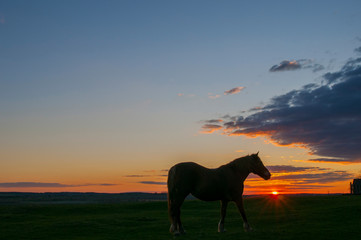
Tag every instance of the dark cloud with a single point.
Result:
(292, 178)
(287, 65)
(136, 176)
(358, 50)
(306, 174)
(32, 184)
(323, 118)
(149, 173)
(288, 168)
(233, 90)
(329, 160)
(229, 118)
(153, 183)
(45, 185)
(319, 178)
(254, 109)
(315, 67)
(213, 121)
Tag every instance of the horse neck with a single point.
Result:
(242, 167)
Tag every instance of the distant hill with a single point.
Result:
(90, 197)
(76, 197)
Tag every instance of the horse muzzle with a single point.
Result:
(267, 175)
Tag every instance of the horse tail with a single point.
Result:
(171, 189)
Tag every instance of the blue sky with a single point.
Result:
(123, 86)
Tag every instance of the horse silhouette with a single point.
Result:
(224, 183)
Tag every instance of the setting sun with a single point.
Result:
(275, 193)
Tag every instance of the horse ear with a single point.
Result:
(257, 153)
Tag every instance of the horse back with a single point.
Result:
(203, 183)
(182, 175)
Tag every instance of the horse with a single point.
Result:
(225, 183)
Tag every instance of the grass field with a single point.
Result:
(288, 217)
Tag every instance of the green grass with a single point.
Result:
(306, 217)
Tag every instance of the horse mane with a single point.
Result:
(240, 163)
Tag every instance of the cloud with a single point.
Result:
(186, 95)
(329, 160)
(137, 176)
(233, 90)
(153, 183)
(323, 118)
(46, 185)
(287, 168)
(319, 178)
(210, 128)
(229, 118)
(316, 67)
(290, 170)
(358, 50)
(254, 109)
(240, 150)
(211, 96)
(2, 19)
(287, 65)
(32, 184)
(212, 121)
(292, 178)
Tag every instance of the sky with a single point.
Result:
(106, 96)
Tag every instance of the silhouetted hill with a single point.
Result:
(89, 197)
(75, 197)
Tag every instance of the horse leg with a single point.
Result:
(180, 226)
(224, 205)
(239, 203)
(174, 213)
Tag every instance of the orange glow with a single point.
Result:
(157, 184)
(252, 134)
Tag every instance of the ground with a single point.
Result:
(285, 217)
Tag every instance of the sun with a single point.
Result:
(274, 193)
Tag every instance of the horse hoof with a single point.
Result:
(177, 233)
(247, 228)
(221, 227)
(182, 231)
(172, 229)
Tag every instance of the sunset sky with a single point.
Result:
(106, 96)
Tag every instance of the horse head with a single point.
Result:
(258, 168)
